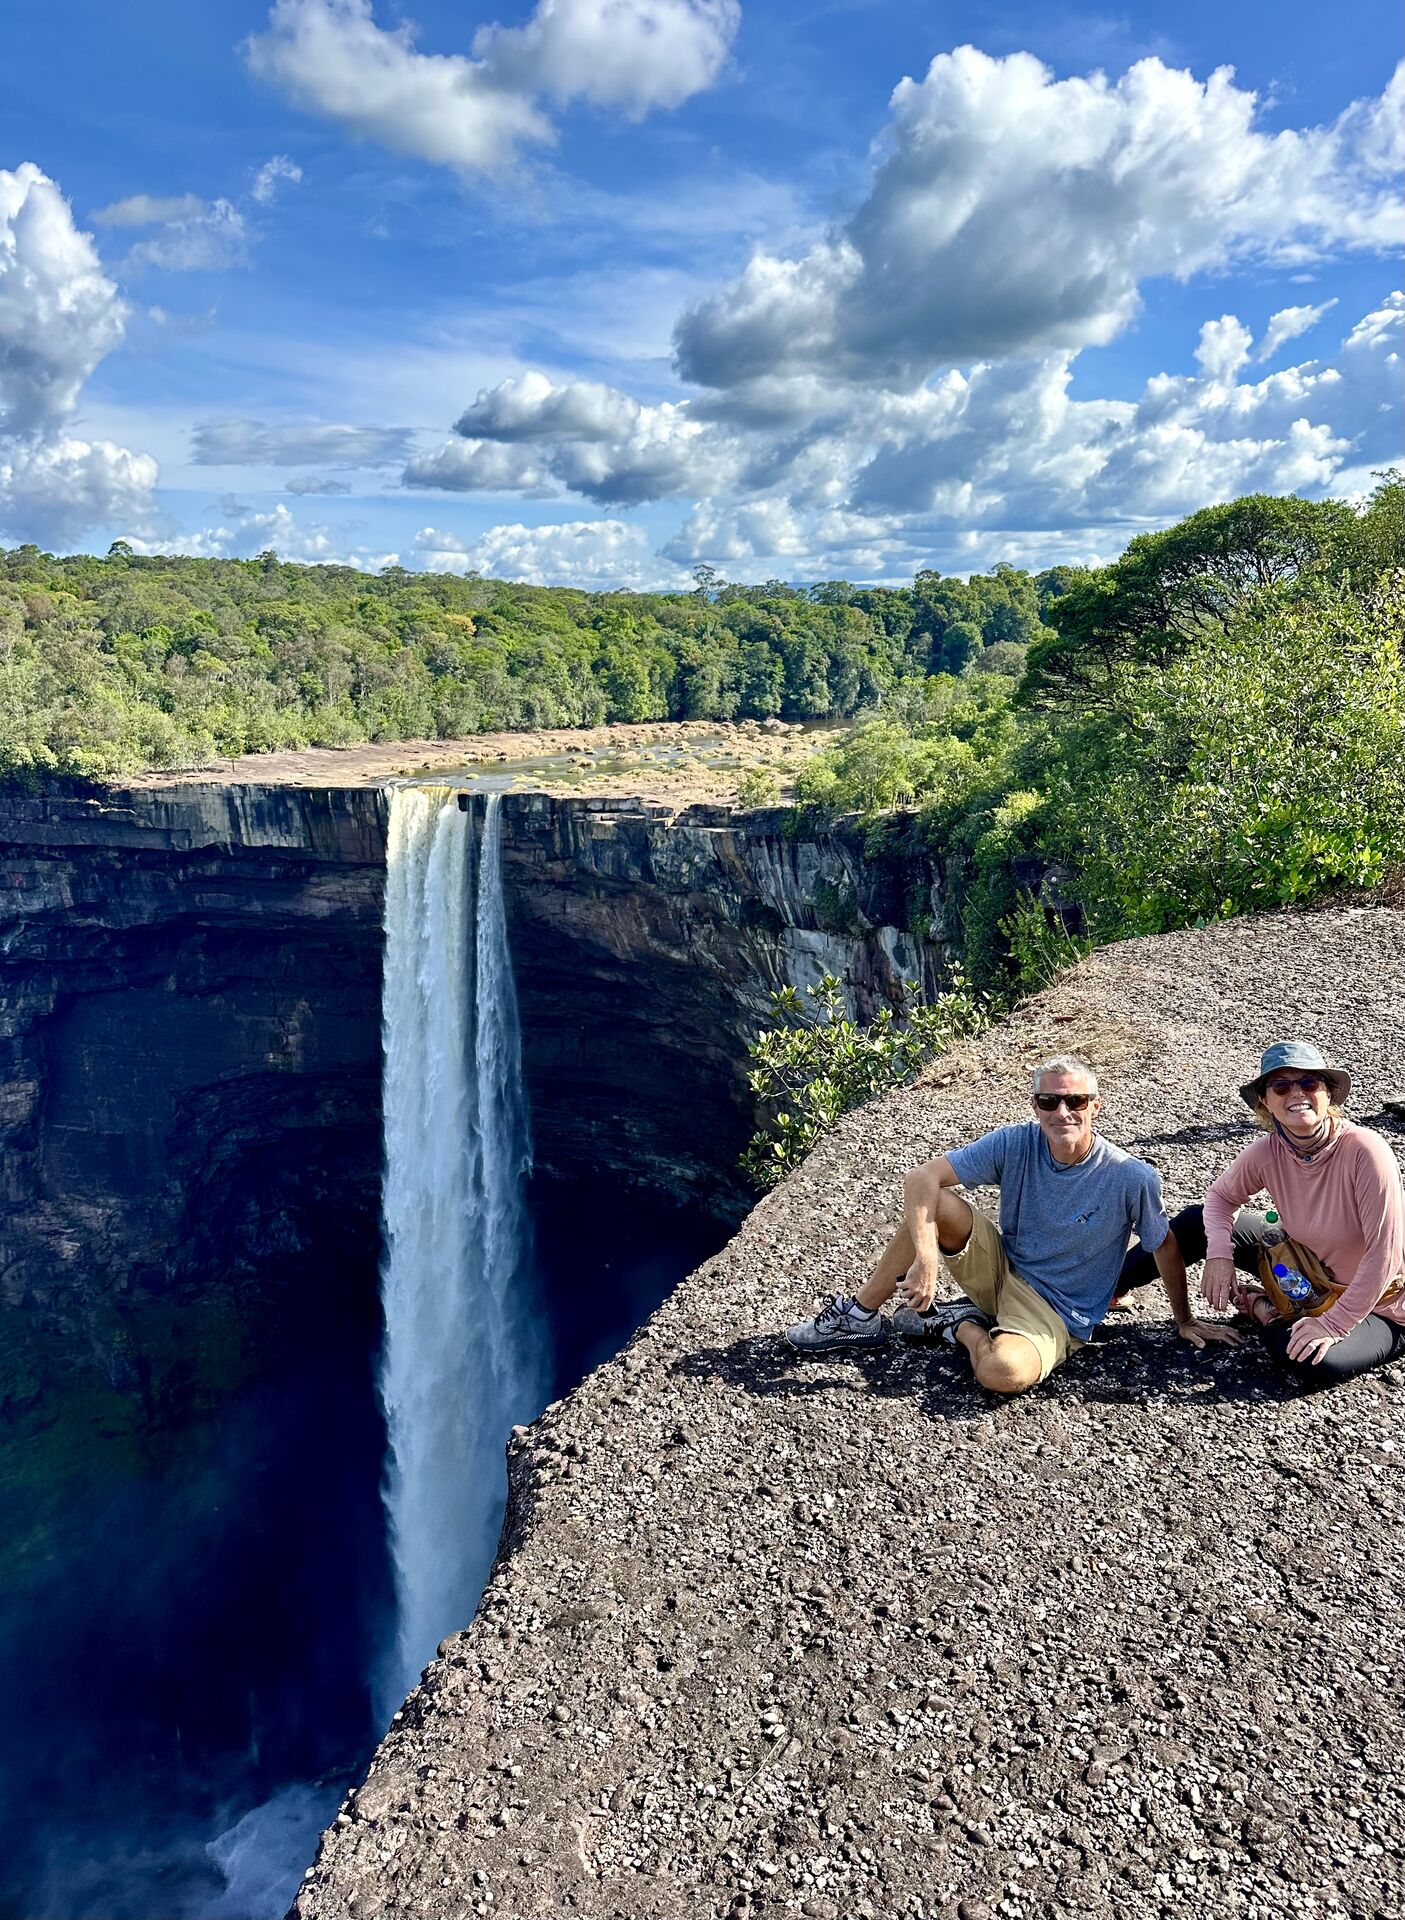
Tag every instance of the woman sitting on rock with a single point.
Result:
(1337, 1190)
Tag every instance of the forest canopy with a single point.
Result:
(1212, 723)
(112, 665)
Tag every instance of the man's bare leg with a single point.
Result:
(954, 1222)
(1001, 1362)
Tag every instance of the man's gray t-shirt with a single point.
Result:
(1066, 1229)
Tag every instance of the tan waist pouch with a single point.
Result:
(1325, 1290)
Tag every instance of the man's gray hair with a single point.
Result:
(1065, 1063)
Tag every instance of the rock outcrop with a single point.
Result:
(845, 1637)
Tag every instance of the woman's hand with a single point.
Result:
(1217, 1283)
(1309, 1340)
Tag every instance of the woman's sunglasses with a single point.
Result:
(1051, 1102)
(1308, 1082)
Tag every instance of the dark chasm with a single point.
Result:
(197, 1588)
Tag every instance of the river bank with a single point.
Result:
(672, 763)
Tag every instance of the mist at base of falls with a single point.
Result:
(191, 1664)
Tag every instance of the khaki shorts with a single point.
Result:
(983, 1272)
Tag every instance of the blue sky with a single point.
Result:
(596, 290)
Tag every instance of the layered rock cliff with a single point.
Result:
(845, 1637)
(646, 947)
(189, 991)
(189, 1012)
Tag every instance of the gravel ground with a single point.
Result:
(847, 1637)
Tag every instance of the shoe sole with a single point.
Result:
(834, 1346)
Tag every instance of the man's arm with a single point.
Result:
(1170, 1264)
(922, 1190)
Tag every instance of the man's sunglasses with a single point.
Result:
(1051, 1102)
(1308, 1082)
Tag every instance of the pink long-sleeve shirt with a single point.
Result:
(1347, 1204)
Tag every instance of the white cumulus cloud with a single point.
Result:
(1224, 347)
(59, 316)
(574, 552)
(330, 57)
(530, 435)
(475, 113)
(1017, 214)
(59, 313)
(53, 491)
(1290, 323)
(634, 54)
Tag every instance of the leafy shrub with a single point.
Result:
(1261, 767)
(758, 787)
(1040, 945)
(816, 1063)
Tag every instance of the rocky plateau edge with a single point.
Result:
(846, 1637)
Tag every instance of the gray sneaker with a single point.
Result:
(840, 1324)
(909, 1324)
(939, 1322)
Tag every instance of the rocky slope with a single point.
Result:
(845, 1637)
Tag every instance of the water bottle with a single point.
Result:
(1295, 1285)
(1273, 1234)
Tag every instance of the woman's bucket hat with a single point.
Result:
(1297, 1053)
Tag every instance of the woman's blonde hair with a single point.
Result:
(1264, 1119)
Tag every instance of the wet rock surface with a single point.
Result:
(847, 1637)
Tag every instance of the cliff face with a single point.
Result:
(189, 989)
(842, 1636)
(646, 948)
(189, 1015)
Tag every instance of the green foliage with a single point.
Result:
(934, 752)
(1217, 726)
(1170, 588)
(759, 787)
(816, 1063)
(1040, 945)
(110, 665)
(1262, 767)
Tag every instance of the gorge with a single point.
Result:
(199, 1596)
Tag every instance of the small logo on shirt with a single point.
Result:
(1082, 1219)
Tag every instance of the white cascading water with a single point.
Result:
(463, 1357)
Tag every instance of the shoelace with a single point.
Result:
(834, 1313)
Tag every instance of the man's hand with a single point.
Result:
(1200, 1332)
(1217, 1283)
(919, 1286)
(1309, 1340)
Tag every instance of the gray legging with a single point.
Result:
(1370, 1343)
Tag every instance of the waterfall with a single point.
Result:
(463, 1357)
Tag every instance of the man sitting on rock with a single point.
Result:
(1036, 1288)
